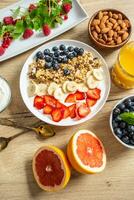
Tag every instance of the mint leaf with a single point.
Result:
(15, 12)
(128, 117)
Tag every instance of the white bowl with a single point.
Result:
(111, 126)
(104, 85)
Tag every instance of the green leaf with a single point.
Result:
(37, 23)
(19, 26)
(15, 12)
(128, 117)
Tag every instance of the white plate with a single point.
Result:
(76, 16)
(104, 85)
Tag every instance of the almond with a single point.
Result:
(115, 16)
(121, 32)
(127, 23)
(95, 34)
(105, 37)
(115, 34)
(110, 14)
(123, 25)
(102, 25)
(104, 18)
(111, 42)
(95, 22)
(105, 30)
(97, 29)
(113, 21)
(102, 41)
(110, 33)
(125, 36)
(120, 16)
(115, 25)
(105, 13)
(100, 15)
(119, 40)
(109, 39)
(118, 28)
(119, 21)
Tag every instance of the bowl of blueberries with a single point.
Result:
(122, 121)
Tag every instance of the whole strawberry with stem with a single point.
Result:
(67, 7)
(46, 29)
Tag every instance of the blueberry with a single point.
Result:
(127, 102)
(130, 128)
(55, 48)
(46, 52)
(126, 110)
(132, 109)
(125, 139)
(55, 66)
(75, 54)
(124, 132)
(48, 59)
(122, 125)
(48, 65)
(62, 47)
(70, 56)
(115, 124)
(56, 53)
(131, 141)
(121, 106)
(51, 55)
(70, 49)
(64, 60)
(118, 132)
(131, 134)
(65, 52)
(116, 111)
(117, 119)
(59, 59)
(62, 53)
(39, 55)
(66, 72)
(81, 51)
(76, 49)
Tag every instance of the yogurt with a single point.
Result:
(5, 94)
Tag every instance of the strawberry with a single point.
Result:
(50, 100)
(66, 112)
(32, 7)
(79, 95)
(65, 17)
(2, 50)
(39, 102)
(83, 110)
(90, 102)
(46, 30)
(67, 7)
(57, 114)
(59, 105)
(6, 42)
(72, 110)
(8, 20)
(71, 98)
(27, 33)
(47, 109)
(94, 94)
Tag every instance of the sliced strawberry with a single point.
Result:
(83, 110)
(50, 100)
(47, 109)
(59, 105)
(66, 112)
(39, 102)
(79, 95)
(71, 98)
(91, 102)
(94, 94)
(32, 7)
(57, 114)
(72, 110)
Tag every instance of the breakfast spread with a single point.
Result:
(110, 27)
(70, 82)
(63, 76)
(41, 16)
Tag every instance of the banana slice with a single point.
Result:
(41, 89)
(64, 86)
(72, 86)
(92, 83)
(82, 87)
(89, 73)
(31, 90)
(52, 87)
(58, 94)
(98, 74)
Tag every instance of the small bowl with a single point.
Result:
(100, 45)
(111, 126)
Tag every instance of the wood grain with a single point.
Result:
(16, 178)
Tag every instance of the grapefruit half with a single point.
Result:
(51, 168)
(86, 152)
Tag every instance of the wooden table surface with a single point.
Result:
(16, 178)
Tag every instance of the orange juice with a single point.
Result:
(123, 70)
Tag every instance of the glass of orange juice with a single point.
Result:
(123, 70)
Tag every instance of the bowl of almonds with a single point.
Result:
(109, 28)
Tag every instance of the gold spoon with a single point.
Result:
(44, 130)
